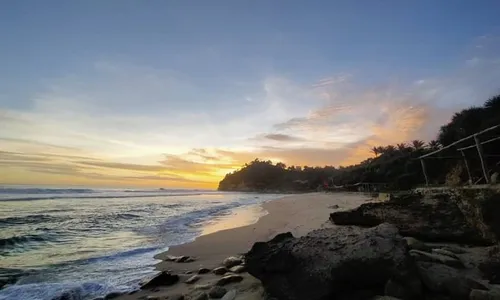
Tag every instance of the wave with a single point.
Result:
(7, 190)
(52, 197)
(29, 219)
(15, 241)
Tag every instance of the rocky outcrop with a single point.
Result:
(335, 263)
(162, 279)
(462, 216)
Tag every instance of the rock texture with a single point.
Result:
(465, 217)
(334, 263)
(162, 279)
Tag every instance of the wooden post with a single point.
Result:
(480, 152)
(467, 167)
(425, 172)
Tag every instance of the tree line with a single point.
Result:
(393, 167)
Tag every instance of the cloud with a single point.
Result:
(123, 166)
(282, 137)
(141, 125)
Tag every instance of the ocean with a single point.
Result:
(97, 241)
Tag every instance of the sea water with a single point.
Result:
(92, 242)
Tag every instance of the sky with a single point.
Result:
(178, 93)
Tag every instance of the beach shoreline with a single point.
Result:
(298, 214)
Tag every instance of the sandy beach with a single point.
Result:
(298, 214)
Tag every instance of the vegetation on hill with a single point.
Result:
(394, 167)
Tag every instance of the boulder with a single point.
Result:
(484, 295)
(217, 292)
(219, 271)
(113, 295)
(202, 296)
(444, 252)
(415, 244)
(203, 287)
(238, 269)
(443, 279)
(162, 279)
(192, 279)
(437, 258)
(230, 295)
(232, 261)
(334, 263)
(203, 271)
(442, 218)
(229, 279)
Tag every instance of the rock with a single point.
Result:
(230, 295)
(229, 279)
(188, 272)
(176, 297)
(162, 279)
(217, 292)
(190, 259)
(192, 279)
(202, 296)
(333, 206)
(203, 271)
(238, 269)
(442, 279)
(445, 252)
(396, 290)
(436, 258)
(152, 298)
(202, 287)
(232, 261)
(113, 295)
(182, 259)
(456, 218)
(484, 295)
(219, 271)
(334, 263)
(415, 244)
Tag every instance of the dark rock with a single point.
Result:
(484, 295)
(113, 295)
(230, 295)
(232, 261)
(436, 258)
(202, 296)
(203, 271)
(219, 271)
(238, 269)
(444, 252)
(442, 279)
(202, 287)
(182, 259)
(192, 279)
(333, 206)
(396, 290)
(176, 297)
(229, 279)
(217, 292)
(442, 218)
(334, 263)
(162, 279)
(415, 244)
(188, 272)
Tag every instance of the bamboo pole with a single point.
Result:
(424, 171)
(459, 141)
(480, 152)
(467, 167)
(485, 142)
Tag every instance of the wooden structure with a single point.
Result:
(477, 144)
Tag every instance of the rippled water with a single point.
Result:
(96, 241)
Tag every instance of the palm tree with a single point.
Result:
(375, 151)
(390, 149)
(434, 145)
(401, 147)
(417, 144)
